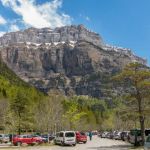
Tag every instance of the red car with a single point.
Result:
(26, 139)
(81, 137)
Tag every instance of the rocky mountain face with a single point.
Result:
(71, 59)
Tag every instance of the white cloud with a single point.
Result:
(2, 20)
(14, 28)
(87, 18)
(2, 33)
(39, 16)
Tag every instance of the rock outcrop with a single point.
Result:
(71, 59)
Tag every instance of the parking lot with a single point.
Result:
(96, 144)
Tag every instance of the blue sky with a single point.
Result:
(124, 23)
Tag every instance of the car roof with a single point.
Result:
(65, 131)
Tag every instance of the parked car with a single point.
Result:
(4, 138)
(117, 136)
(124, 135)
(26, 139)
(81, 137)
(135, 136)
(108, 135)
(94, 132)
(147, 143)
(104, 134)
(111, 135)
(38, 138)
(65, 138)
(47, 137)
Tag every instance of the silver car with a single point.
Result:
(4, 138)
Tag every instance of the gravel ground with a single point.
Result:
(96, 144)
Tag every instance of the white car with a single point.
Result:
(104, 134)
(117, 136)
(4, 138)
(65, 138)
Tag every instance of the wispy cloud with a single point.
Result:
(87, 18)
(44, 15)
(2, 20)
(14, 28)
(2, 33)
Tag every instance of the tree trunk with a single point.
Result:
(19, 124)
(142, 129)
(141, 117)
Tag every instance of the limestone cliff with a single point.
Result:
(71, 59)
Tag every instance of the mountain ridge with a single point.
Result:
(71, 59)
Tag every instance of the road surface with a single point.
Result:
(96, 144)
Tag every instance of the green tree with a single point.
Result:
(72, 113)
(20, 108)
(136, 83)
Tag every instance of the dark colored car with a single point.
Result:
(26, 139)
(124, 135)
(111, 135)
(135, 137)
(47, 137)
(81, 137)
(117, 136)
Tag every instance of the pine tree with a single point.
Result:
(136, 82)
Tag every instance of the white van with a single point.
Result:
(65, 138)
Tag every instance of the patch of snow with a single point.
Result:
(73, 42)
(49, 44)
(56, 43)
(117, 49)
(49, 30)
(72, 45)
(36, 44)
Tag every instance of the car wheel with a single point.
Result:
(85, 142)
(74, 144)
(18, 143)
(62, 143)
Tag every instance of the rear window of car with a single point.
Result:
(69, 134)
(82, 133)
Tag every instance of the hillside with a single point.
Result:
(9, 75)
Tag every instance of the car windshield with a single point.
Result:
(69, 134)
